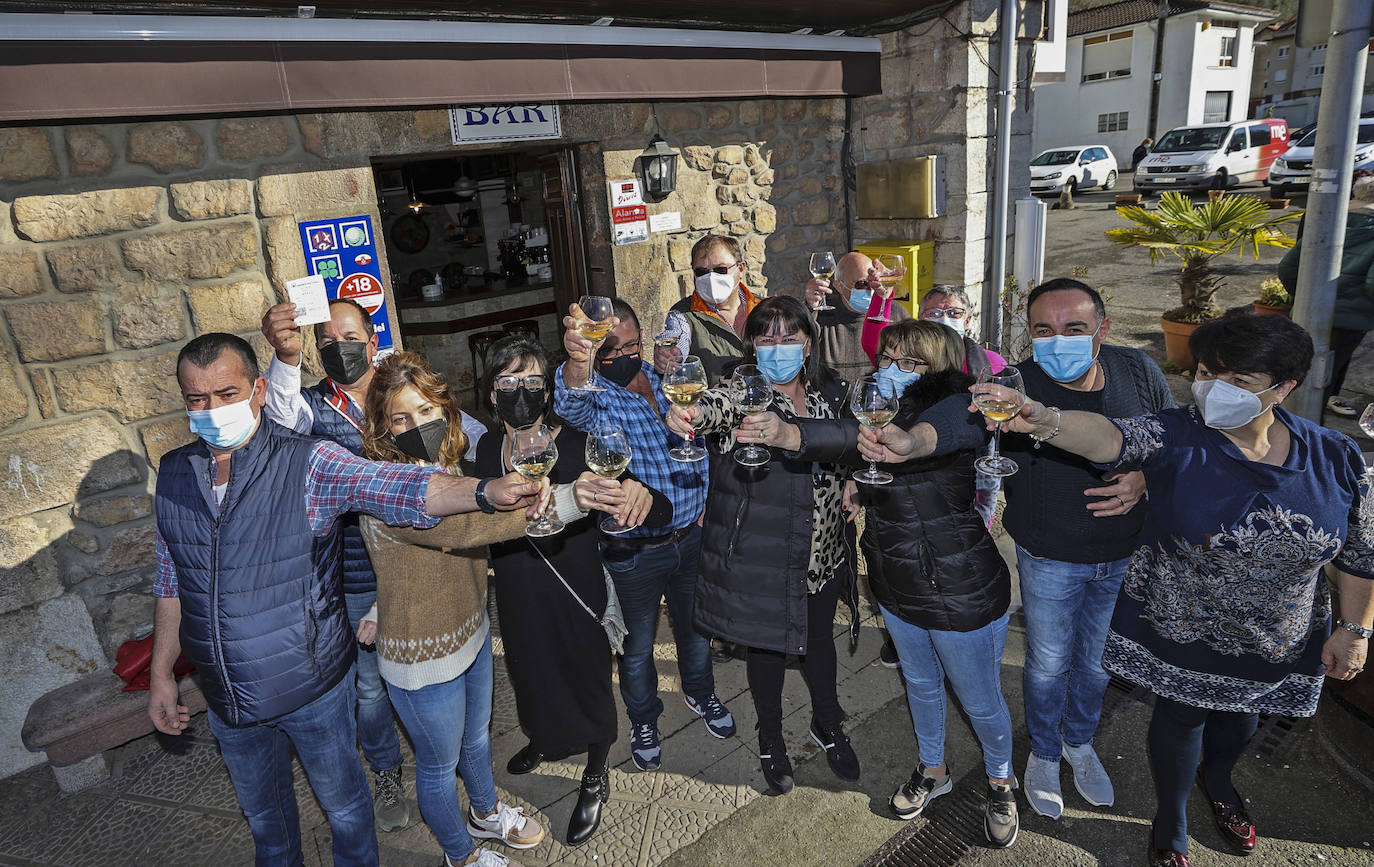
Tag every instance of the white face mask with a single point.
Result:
(1225, 406)
(952, 321)
(225, 427)
(715, 288)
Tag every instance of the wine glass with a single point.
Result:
(874, 404)
(608, 454)
(998, 406)
(598, 310)
(1367, 420)
(891, 269)
(752, 393)
(822, 268)
(684, 384)
(533, 454)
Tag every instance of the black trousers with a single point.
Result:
(1344, 342)
(767, 668)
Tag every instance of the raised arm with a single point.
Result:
(285, 406)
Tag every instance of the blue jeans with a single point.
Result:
(376, 731)
(259, 761)
(973, 663)
(450, 725)
(1068, 607)
(643, 578)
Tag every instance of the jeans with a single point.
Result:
(1179, 735)
(642, 578)
(376, 731)
(449, 723)
(1068, 607)
(766, 669)
(973, 663)
(259, 761)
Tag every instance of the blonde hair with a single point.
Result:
(710, 243)
(398, 370)
(936, 344)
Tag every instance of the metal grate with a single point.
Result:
(1276, 735)
(949, 828)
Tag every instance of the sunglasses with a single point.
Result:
(719, 269)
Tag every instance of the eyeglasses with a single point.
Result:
(907, 365)
(533, 382)
(620, 351)
(719, 269)
(945, 312)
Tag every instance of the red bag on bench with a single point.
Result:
(134, 662)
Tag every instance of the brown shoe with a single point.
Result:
(1167, 858)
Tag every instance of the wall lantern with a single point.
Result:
(658, 169)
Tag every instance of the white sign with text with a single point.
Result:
(524, 121)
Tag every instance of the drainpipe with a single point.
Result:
(1157, 74)
(997, 271)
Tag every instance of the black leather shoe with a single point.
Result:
(586, 815)
(524, 761)
(838, 752)
(776, 766)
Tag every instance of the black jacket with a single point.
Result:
(930, 558)
(756, 547)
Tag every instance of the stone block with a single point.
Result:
(677, 119)
(235, 307)
(433, 125)
(731, 214)
(749, 113)
(28, 571)
(769, 110)
(83, 215)
(134, 388)
(84, 267)
(764, 178)
(741, 228)
(737, 175)
(312, 134)
(812, 213)
(161, 437)
(696, 192)
(251, 138)
(26, 154)
(19, 273)
(793, 109)
(53, 330)
(730, 154)
(680, 253)
(805, 150)
(130, 549)
(83, 542)
(345, 191)
(828, 109)
(42, 391)
(88, 773)
(90, 152)
(13, 403)
(809, 186)
(724, 195)
(200, 253)
(285, 258)
(42, 647)
(720, 170)
(49, 466)
(130, 616)
(782, 152)
(744, 194)
(143, 318)
(719, 117)
(699, 157)
(113, 510)
(765, 218)
(752, 156)
(205, 200)
(167, 146)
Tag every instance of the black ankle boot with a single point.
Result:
(773, 760)
(524, 761)
(586, 815)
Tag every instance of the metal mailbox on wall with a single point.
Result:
(905, 189)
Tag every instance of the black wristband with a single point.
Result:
(481, 498)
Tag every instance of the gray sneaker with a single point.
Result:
(1042, 787)
(390, 810)
(1000, 822)
(911, 799)
(1089, 777)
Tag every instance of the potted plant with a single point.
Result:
(1273, 300)
(1196, 235)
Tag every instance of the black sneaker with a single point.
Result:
(887, 656)
(1000, 822)
(838, 752)
(777, 768)
(911, 799)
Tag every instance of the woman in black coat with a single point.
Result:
(776, 550)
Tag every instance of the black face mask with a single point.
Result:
(345, 361)
(425, 441)
(520, 407)
(621, 370)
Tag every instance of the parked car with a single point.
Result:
(1075, 167)
(1293, 170)
(1212, 155)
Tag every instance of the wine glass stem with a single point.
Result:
(996, 439)
(591, 362)
(872, 468)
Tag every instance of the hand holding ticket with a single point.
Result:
(312, 303)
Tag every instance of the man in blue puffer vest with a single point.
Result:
(333, 409)
(249, 558)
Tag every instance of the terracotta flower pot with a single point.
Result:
(1277, 204)
(1176, 336)
(1269, 309)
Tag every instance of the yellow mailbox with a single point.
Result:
(919, 258)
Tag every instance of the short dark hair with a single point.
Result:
(206, 349)
(1061, 283)
(624, 311)
(1242, 341)
(784, 313)
(368, 325)
(508, 350)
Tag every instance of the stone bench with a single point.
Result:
(75, 724)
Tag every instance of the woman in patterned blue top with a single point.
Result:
(1224, 612)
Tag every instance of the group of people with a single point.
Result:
(323, 552)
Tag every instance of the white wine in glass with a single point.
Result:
(752, 393)
(822, 268)
(998, 405)
(598, 310)
(874, 405)
(608, 454)
(684, 384)
(534, 454)
(891, 270)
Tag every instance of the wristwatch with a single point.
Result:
(482, 502)
(1362, 631)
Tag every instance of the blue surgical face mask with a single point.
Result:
(781, 362)
(225, 427)
(1064, 358)
(860, 299)
(895, 380)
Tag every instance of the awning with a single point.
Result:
(134, 66)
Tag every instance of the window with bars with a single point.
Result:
(1227, 54)
(1114, 121)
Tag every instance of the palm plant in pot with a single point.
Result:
(1196, 235)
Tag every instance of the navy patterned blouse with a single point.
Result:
(1224, 605)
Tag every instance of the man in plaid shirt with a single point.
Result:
(248, 586)
(646, 565)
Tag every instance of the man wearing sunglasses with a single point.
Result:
(710, 321)
(841, 329)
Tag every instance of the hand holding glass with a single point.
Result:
(752, 393)
(874, 404)
(998, 405)
(534, 454)
(684, 385)
(598, 312)
(822, 268)
(890, 269)
(608, 454)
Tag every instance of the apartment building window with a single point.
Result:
(1113, 121)
(1216, 107)
(1107, 56)
(1318, 47)
(1319, 69)
(1227, 55)
(1282, 52)
(1280, 75)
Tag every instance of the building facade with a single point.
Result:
(1288, 77)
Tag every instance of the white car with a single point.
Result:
(1293, 170)
(1076, 167)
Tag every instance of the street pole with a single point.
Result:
(1323, 234)
(997, 270)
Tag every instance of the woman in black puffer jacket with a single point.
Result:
(935, 571)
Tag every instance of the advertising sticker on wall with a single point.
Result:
(343, 252)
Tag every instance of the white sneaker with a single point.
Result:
(508, 824)
(484, 858)
(1089, 777)
(1041, 783)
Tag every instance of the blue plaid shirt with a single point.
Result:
(684, 484)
